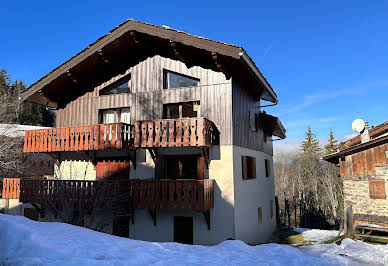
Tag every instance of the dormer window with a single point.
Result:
(121, 86)
(174, 80)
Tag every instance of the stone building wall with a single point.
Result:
(356, 193)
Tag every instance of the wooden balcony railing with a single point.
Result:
(43, 191)
(173, 194)
(199, 132)
(11, 188)
(144, 194)
(79, 138)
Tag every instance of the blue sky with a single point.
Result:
(326, 60)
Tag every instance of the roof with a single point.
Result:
(374, 132)
(378, 135)
(132, 42)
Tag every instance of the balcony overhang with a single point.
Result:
(272, 126)
(132, 42)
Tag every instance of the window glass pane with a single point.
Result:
(122, 87)
(108, 116)
(175, 80)
(125, 115)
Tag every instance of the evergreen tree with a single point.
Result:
(12, 110)
(332, 144)
(310, 145)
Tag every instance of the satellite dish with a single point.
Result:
(358, 125)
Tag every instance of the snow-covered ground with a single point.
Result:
(316, 235)
(26, 242)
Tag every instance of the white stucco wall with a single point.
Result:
(75, 170)
(221, 216)
(251, 194)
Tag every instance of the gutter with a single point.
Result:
(248, 61)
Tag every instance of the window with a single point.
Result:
(121, 86)
(260, 215)
(377, 188)
(248, 167)
(174, 80)
(271, 208)
(267, 168)
(181, 110)
(119, 115)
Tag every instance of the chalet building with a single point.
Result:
(363, 162)
(171, 123)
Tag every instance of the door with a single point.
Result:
(182, 167)
(121, 226)
(183, 229)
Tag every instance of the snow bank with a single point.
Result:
(357, 251)
(316, 235)
(26, 242)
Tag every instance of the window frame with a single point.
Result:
(377, 188)
(267, 167)
(248, 167)
(260, 215)
(116, 83)
(165, 80)
(117, 113)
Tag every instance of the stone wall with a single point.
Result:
(356, 193)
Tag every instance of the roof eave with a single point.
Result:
(252, 66)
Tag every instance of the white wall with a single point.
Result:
(250, 195)
(221, 216)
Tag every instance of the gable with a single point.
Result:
(132, 42)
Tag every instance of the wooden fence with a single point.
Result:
(175, 133)
(11, 188)
(173, 194)
(79, 138)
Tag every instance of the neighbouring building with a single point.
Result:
(363, 162)
(171, 123)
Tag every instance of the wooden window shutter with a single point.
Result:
(260, 215)
(377, 189)
(200, 167)
(253, 168)
(244, 167)
(267, 168)
(248, 167)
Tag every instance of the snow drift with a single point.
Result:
(26, 242)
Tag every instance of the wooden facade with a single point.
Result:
(363, 163)
(147, 97)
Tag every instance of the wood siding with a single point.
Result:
(363, 163)
(243, 103)
(148, 96)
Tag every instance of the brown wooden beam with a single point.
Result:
(72, 77)
(205, 154)
(102, 56)
(220, 65)
(54, 159)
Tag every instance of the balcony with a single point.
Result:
(186, 132)
(168, 194)
(79, 138)
(95, 192)
(197, 195)
(121, 196)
